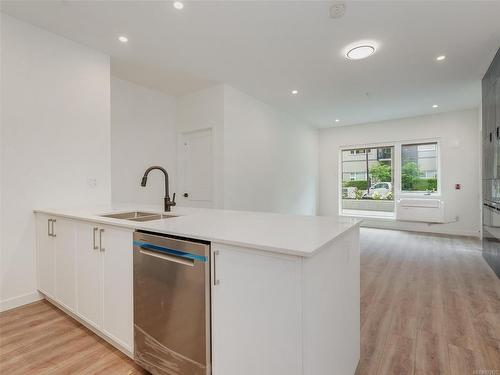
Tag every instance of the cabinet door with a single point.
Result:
(496, 124)
(490, 140)
(64, 240)
(45, 256)
(117, 285)
(256, 324)
(88, 274)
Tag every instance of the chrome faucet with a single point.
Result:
(167, 202)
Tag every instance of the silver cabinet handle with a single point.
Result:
(94, 245)
(49, 221)
(53, 231)
(216, 280)
(100, 240)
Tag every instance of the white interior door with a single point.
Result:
(196, 169)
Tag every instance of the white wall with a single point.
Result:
(264, 159)
(459, 153)
(270, 158)
(143, 133)
(55, 137)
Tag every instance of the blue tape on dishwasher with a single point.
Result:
(166, 250)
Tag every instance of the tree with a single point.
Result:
(381, 173)
(410, 173)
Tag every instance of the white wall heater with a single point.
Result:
(420, 209)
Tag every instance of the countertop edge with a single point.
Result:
(136, 226)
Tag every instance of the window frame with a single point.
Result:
(396, 174)
(420, 193)
(367, 214)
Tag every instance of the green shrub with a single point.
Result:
(359, 194)
(380, 172)
(423, 184)
(360, 184)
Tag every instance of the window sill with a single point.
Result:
(368, 214)
(418, 195)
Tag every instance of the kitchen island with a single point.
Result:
(284, 289)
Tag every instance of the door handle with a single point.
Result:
(100, 240)
(53, 231)
(216, 280)
(49, 233)
(95, 229)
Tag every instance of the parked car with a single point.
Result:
(382, 189)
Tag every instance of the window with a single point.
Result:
(367, 181)
(419, 167)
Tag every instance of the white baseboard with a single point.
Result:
(24, 299)
(436, 229)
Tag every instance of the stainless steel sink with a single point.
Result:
(139, 216)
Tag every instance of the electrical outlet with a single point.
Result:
(92, 182)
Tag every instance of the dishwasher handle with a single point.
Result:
(169, 253)
(169, 258)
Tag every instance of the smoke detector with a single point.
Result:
(337, 10)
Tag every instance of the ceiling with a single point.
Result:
(268, 48)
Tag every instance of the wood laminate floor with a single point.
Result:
(40, 339)
(429, 305)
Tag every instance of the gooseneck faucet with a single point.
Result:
(167, 202)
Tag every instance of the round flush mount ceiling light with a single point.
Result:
(295, 92)
(123, 39)
(440, 58)
(360, 52)
(435, 106)
(337, 120)
(178, 5)
(360, 49)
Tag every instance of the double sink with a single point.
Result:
(139, 216)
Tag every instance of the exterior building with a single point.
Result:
(356, 163)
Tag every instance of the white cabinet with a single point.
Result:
(45, 258)
(256, 318)
(104, 280)
(88, 273)
(117, 285)
(64, 249)
(56, 259)
(87, 269)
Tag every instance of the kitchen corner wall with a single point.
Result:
(55, 142)
(270, 158)
(143, 133)
(265, 160)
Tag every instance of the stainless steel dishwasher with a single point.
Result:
(171, 305)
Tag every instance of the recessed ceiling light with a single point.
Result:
(440, 58)
(123, 39)
(360, 52)
(435, 106)
(178, 5)
(337, 120)
(295, 92)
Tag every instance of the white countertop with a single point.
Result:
(288, 234)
